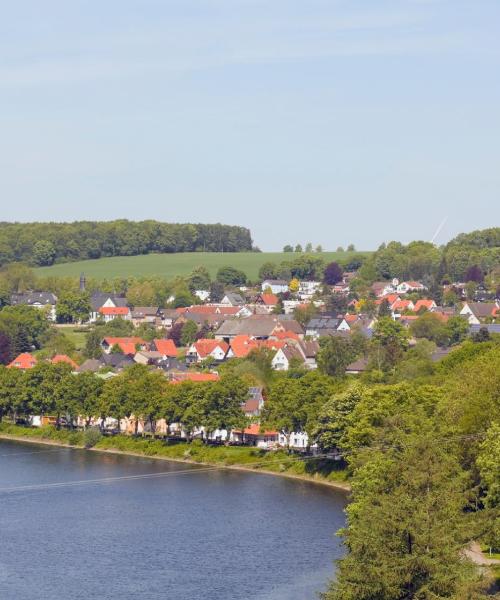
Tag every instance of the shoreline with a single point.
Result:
(339, 486)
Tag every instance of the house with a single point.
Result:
(23, 361)
(270, 301)
(207, 348)
(148, 357)
(426, 304)
(118, 361)
(308, 288)
(202, 295)
(169, 317)
(194, 377)
(277, 286)
(232, 299)
(254, 403)
(128, 345)
(91, 365)
(109, 313)
(40, 300)
(285, 356)
(325, 325)
(410, 286)
(63, 358)
(100, 299)
(253, 436)
(477, 312)
(242, 345)
(258, 327)
(357, 367)
(165, 347)
(145, 314)
(382, 288)
(401, 306)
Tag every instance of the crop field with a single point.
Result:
(171, 265)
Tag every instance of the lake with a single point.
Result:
(158, 529)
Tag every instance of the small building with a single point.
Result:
(477, 312)
(41, 300)
(24, 361)
(207, 348)
(128, 345)
(277, 286)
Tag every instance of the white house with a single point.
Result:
(308, 288)
(207, 348)
(284, 356)
(277, 286)
(410, 286)
(477, 311)
(203, 295)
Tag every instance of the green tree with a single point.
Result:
(334, 355)
(216, 291)
(199, 279)
(93, 348)
(298, 248)
(222, 405)
(73, 307)
(309, 247)
(431, 327)
(44, 253)
(189, 331)
(268, 271)
(390, 341)
(288, 248)
(231, 276)
(457, 330)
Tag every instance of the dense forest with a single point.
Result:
(42, 244)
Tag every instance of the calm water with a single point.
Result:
(216, 535)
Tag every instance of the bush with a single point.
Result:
(92, 437)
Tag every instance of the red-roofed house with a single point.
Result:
(401, 305)
(424, 303)
(23, 361)
(253, 435)
(165, 347)
(270, 301)
(206, 348)
(195, 377)
(108, 313)
(63, 358)
(410, 286)
(128, 345)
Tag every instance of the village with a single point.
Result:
(289, 321)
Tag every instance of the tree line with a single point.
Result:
(41, 244)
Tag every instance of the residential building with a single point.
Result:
(277, 286)
(41, 300)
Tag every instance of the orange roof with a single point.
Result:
(114, 310)
(210, 309)
(414, 284)
(424, 303)
(351, 318)
(204, 347)
(242, 345)
(254, 429)
(391, 298)
(196, 377)
(269, 299)
(23, 361)
(401, 304)
(126, 344)
(166, 347)
(63, 358)
(285, 335)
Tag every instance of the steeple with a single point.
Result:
(82, 282)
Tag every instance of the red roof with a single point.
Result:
(269, 299)
(242, 345)
(424, 303)
(166, 347)
(254, 429)
(126, 344)
(63, 358)
(204, 347)
(351, 318)
(285, 335)
(210, 309)
(114, 310)
(23, 361)
(196, 377)
(402, 305)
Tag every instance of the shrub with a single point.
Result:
(91, 437)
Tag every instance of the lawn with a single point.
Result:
(171, 265)
(75, 334)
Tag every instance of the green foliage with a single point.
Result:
(231, 276)
(73, 307)
(25, 327)
(44, 253)
(92, 437)
(334, 355)
(199, 279)
(189, 331)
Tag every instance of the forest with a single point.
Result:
(43, 244)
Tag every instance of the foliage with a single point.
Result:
(92, 437)
(231, 276)
(333, 273)
(335, 354)
(73, 307)
(188, 335)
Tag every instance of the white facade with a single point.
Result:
(276, 286)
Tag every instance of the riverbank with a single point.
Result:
(238, 458)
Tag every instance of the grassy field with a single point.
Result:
(171, 265)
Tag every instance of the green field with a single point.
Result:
(171, 265)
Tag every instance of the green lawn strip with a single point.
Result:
(182, 263)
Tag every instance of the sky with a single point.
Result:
(323, 121)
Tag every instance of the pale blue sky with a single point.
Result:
(327, 121)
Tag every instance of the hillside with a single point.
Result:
(171, 265)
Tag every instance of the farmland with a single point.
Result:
(172, 265)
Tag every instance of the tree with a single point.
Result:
(284, 409)
(483, 335)
(175, 333)
(304, 313)
(309, 247)
(384, 309)
(298, 248)
(199, 279)
(222, 404)
(340, 249)
(390, 342)
(183, 299)
(405, 530)
(188, 335)
(474, 273)
(431, 327)
(44, 253)
(268, 271)
(334, 355)
(73, 307)
(333, 273)
(351, 248)
(288, 248)
(5, 348)
(294, 285)
(216, 291)
(231, 276)
(457, 329)
(319, 249)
